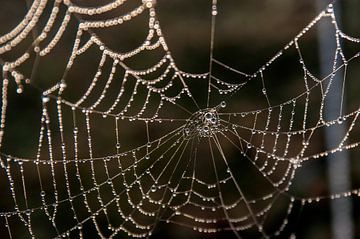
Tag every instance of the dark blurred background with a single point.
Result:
(248, 33)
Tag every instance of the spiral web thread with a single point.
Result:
(174, 193)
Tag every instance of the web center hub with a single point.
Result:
(204, 123)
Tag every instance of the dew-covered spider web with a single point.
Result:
(133, 142)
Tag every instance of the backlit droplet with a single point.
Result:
(45, 99)
(223, 104)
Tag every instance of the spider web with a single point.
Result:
(159, 177)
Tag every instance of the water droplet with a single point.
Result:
(63, 85)
(19, 90)
(223, 104)
(208, 115)
(45, 99)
